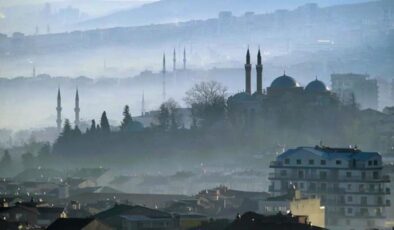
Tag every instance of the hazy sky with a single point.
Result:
(7, 3)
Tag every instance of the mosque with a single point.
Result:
(284, 94)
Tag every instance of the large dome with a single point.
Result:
(316, 86)
(284, 82)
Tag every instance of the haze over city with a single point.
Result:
(196, 114)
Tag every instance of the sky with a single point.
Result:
(7, 3)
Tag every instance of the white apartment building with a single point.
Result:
(348, 181)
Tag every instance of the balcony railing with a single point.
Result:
(293, 176)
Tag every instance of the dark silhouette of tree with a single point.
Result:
(44, 154)
(127, 119)
(28, 160)
(77, 132)
(168, 116)
(104, 123)
(5, 162)
(93, 126)
(67, 131)
(208, 102)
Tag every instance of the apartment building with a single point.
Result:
(348, 181)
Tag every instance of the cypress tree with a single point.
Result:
(104, 123)
(127, 119)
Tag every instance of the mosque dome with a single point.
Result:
(240, 97)
(284, 82)
(316, 86)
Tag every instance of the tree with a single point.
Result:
(44, 154)
(104, 123)
(67, 131)
(127, 119)
(27, 160)
(5, 160)
(168, 116)
(208, 102)
(93, 126)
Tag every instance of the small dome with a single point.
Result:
(316, 86)
(284, 82)
(239, 97)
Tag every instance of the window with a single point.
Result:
(375, 175)
(350, 199)
(323, 175)
(298, 161)
(323, 186)
(312, 186)
(363, 200)
(287, 161)
(348, 174)
(311, 162)
(349, 210)
(375, 162)
(349, 186)
(338, 162)
(301, 185)
(301, 174)
(283, 172)
(323, 162)
(369, 163)
(361, 188)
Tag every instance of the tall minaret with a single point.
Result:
(164, 77)
(248, 74)
(34, 71)
(76, 109)
(143, 104)
(174, 61)
(184, 58)
(59, 111)
(259, 71)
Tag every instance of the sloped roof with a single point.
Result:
(69, 223)
(125, 210)
(331, 153)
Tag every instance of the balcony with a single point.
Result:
(275, 164)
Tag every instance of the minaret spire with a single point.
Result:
(184, 58)
(174, 61)
(77, 109)
(248, 73)
(259, 71)
(34, 70)
(59, 111)
(164, 77)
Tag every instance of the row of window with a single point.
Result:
(323, 162)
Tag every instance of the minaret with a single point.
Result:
(174, 61)
(76, 109)
(164, 77)
(34, 71)
(143, 105)
(59, 111)
(259, 71)
(248, 73)
(184, 58)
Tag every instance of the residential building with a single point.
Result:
(349, 182)
(357, 88)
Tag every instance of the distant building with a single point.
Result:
(294, 203)
(279, 221)
(137, 218)
(356, 87)
(349, 182)
(78, 224)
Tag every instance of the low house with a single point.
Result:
(137, 217)
(78, 224)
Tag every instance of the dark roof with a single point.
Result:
(52, 210)
(254, 221)
(122, 209)
(284, 82)
(316, 86)
(69, 223)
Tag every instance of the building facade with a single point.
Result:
(349, 182)
(356, 87)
